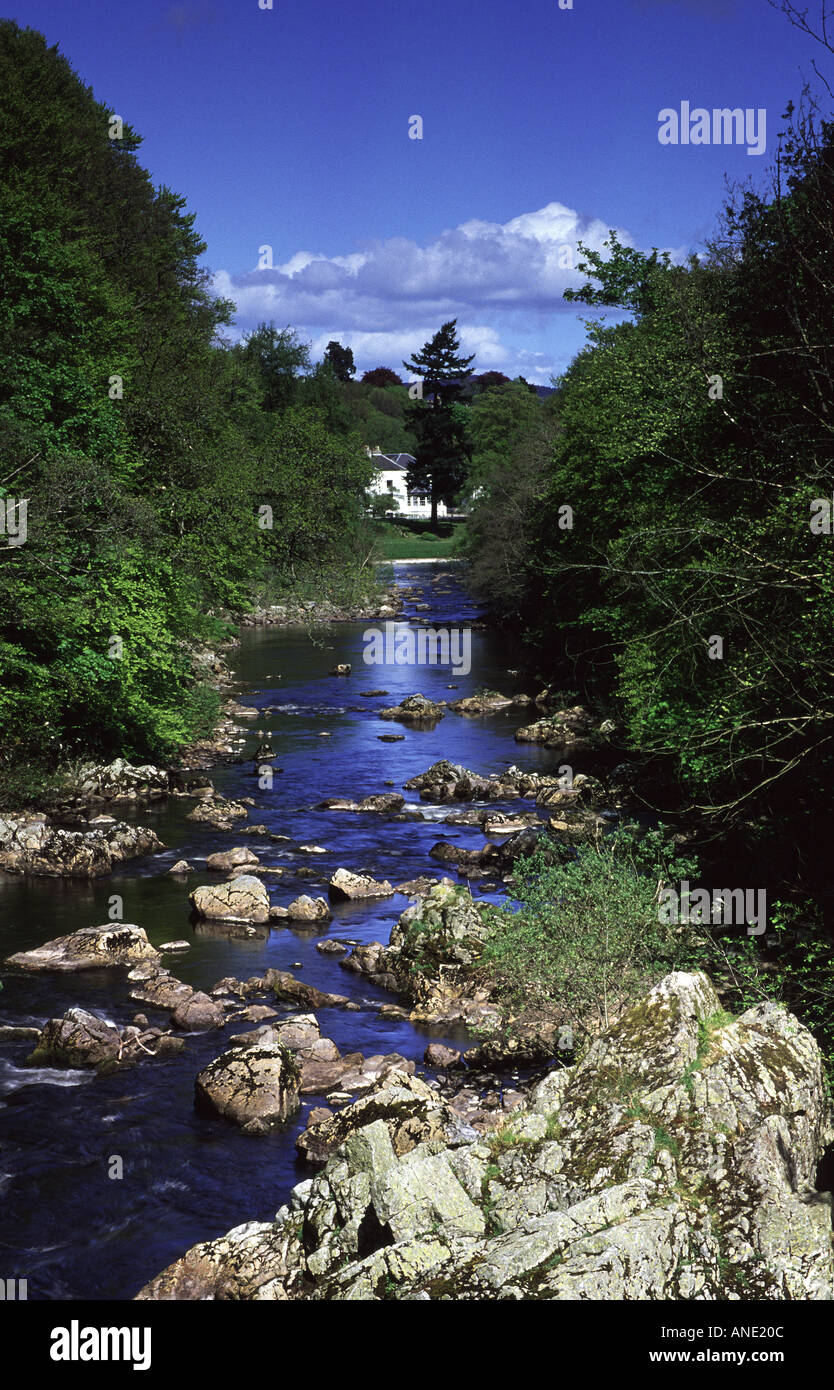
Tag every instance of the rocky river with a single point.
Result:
(71, 1230)
(221, 1109)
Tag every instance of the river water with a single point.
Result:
(67, 1227)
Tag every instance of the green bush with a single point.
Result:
(586, 940)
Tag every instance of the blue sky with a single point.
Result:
(288, 128)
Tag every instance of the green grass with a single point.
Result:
(393, 544)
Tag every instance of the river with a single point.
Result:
(68, 1228)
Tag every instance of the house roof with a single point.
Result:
(387, 463)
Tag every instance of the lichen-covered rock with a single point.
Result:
(91, 948)
(32, 845)
(285, 986)
(253, 1261)
(444, 927)
(445, 781)
(293, 1031)
(79, 1039)
(256, 1087)
(488, 702)
(244, 899)
(159, 989)
(569, 731)
(409, 1109)
(429, 958)
(676, 1161)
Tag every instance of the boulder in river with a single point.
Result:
(347, 887)
(198, 1014)
(414, 709)
(307, 909)
(285, 986)
(91, 948)
(243, 899)
(293, 1031)
(160, 990)
(226, 860)
(383, 802)
(82, 1039)
(181, 868)
(79, 1039)
(217, 811)
(256, 1088)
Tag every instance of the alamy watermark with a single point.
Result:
(13, 517)
(721, 126)
(396, 644)
(729, 906)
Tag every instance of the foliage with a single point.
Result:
(169, 476)
(586, 940)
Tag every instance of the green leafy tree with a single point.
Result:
(341, 360)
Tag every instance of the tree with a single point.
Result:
(341, 360)
(278, 356)
(440, 464)
(484, 380)
(381, 376)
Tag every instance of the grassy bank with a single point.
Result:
(394, 543)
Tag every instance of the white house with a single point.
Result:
(390, 478)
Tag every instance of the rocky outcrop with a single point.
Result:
(676, 1161)
(256, 1087)
(569, 731)
(91, 948)
(117, 781)
(414, 709)
(244, 899)
(445, 781)
(31, 844)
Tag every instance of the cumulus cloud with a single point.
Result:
(387, 298)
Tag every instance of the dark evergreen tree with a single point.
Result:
(440, 464)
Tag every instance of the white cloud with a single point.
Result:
(387, 298)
